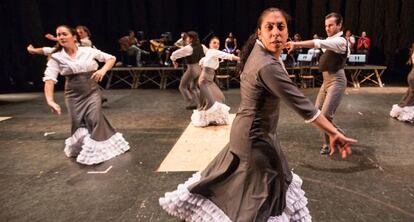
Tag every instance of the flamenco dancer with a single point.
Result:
(93, 138)
(404, 111)
(212, 109)
(331, 64)
(249, 180)
(192, 53)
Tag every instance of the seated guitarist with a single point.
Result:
(159, 46)
(129, 44)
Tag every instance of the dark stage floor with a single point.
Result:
(38, 182)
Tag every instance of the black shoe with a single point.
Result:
(191, 107)
(325, 150)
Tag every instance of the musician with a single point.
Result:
(161, 48)
(364, 44)
(230, 45)
(351, 40)
(129, 45)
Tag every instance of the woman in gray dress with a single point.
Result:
(404, 111)
(93, 139)
(249, 180)
(212, 109)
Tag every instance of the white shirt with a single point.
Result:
(47, 50)
(184, 52)
(86, 42)
(314, 52)
(84, 61)
(212, 57)
(352, 39)
(336, 43)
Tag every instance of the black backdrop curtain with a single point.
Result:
(389, 23)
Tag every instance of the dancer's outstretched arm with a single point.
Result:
(335, 137)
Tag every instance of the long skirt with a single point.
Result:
(404, 111)
(249, 180)
(212, 110)
(93, 138)
(188, 84)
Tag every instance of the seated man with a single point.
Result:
(129, 45)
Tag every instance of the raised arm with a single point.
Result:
(51, 37)
(33, 50)
(180, 53)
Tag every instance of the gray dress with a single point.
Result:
(249, 180)
(93, 140)
(404, 110)
(408, 99)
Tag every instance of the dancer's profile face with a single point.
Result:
(81, 33)
(65, 37)
(331, 27)
(214, 44)
(273, 32)
(188, 40)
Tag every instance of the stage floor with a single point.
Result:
(39, 183)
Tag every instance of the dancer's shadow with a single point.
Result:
(362, 158)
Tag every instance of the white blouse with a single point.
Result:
(84, 61)
(47, 50)
(184, 52)
(212, 57)
(86, 42)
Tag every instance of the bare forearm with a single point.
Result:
(49, 91)
(305, 44)
(322, 123)
(108, 65)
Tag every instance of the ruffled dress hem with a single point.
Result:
(89, 151)
(197, 208)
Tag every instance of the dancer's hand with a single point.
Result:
(30, 49)
(54, 107)
(98, 75)
(290, 46)
(50, 37)
(343, 143)
(175, 64)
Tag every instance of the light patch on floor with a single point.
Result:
(196, 148)
(2, 118)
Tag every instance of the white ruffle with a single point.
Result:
(405, 114)
(73, 144)
(89, 151)
(94, 152)
(218, 114)
(191, 207)
(196, 208)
